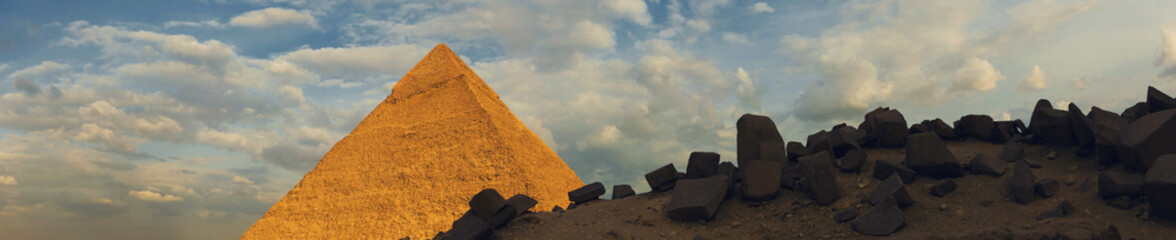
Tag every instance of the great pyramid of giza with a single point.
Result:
(411, 165)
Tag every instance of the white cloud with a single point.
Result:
(1035, 81)
(46, 67)
(242, 180)
(148, 195)
(371, 60)
(1079, 83)
(93, 133)
(269, 17)
(291, 93)
(8, 180)
(761, 7)
(699, 25)
(1167, 51)
(976, 75)
(734, 38)
(749, 94)
(338, 83)
(632, 10)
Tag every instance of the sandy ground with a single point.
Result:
(794, 215)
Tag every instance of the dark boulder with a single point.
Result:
(941, 128)
(773, 151)
(1047, 188)
(1114, 184)
(469, 226)
(750, 131)
(1004, 131)
(696, 199)
(1147, 139)
(663, 178)
(889, 128)
(521, 203)
(884, 219)
(1107, 127)
(1012, 151)
(893, 188)
(589, 192)
(702, 165)
(1160, 187)
(841, 142)
(1051, 125)
(1158, 101)
(883, 169)
(821, 178)
(761, 180)
(976, 126)
(1135, 112)
(796, 150)
(1063, 209)
(819, 142)
(988, 165)
(1083, 129)
(622, 191)
(928, 155)
(943, 188)
(917, 128)
(502, 217)
(853, 160)
(1021, 188)
(487, 202)
(845, 215)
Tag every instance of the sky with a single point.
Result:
(189, 119)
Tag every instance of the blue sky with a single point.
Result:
(187, 120)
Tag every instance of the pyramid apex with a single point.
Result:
(439, 65)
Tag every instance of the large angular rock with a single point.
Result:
(887, 127)
(943, 188)
(486, 203)
(988, 165)
(728, 169)
(696, 199)
(917, 128)
(1004, 131)
(853, 160)
(1021, 188)
(976, 126)
(1134, 112)
(1107, 127)
(796, 150)
(761, 180)
(1051, 125)
(589, 192)
(521, 203)
(893, 188)
(502, 217)
(773, 151)
(469, 226)
(1083, 129)
(883, 169)
(841, 142)
(929, 156)
(702, 165)
(1012, 151)
(1114, 184)
(1159, 186)
(941, 128)
(819, 142)
(750, 131)
(663, 178)
(1158, 101)
(884, 219)
(622, 191)
(1147, 139)
(820, 177)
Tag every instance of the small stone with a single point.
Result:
(985, 202)
(1012, 151)
(622, 191)
(1120, 202)
(942, 207)
(589, 192)
(883, 169)
(1054, 213)
(893, 188)
(1021, 188)
(1070, 180)
(1051, 155)
(663, 178)
(884, 219)
(702, 165)
(1046, 188)
(988, 165)
(845, 215)
(943, 188)
(928, 155)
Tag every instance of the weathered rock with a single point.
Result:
(1107, 127)
(840, 142)
(929, 156)
(1052, 213)
(502, 217)
(469, 226)
(1047, 188)
(1148, 138)
(663, 178)
(941, 128)
(1012, 151)
(917, 128)
(1083, 129)
(750, 131)
(988, 165)
(845, 215)
(889, 128)
(622, 191)
(1160, 187)
(558, 209)
(820, 177)
(943, 188)
(695, 199)
(486, 203)
(853, 160)
(819, 142)
(883, 169)
(1158, 101)
(773, 151)
(1021, 189)
(796, 150)
(884, 219)
(728, 169)
(702, 165)
(1121, 202)
(589, 192)
(1051, 125)
(761, 180)
(894, 188)
(1135, 112)
(521, 203)
(1066, 207)
(1113, 184)
(976, 126)
(1003, 131)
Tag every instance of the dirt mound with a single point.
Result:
(412, 164)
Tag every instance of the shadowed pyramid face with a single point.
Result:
(411, 165)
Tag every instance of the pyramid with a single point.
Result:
(412, 164)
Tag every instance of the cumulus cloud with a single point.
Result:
(749, 94)
(976, 75)
(93, 133)
(632, 10)
(1035, 81)
(354, 62)
(1167, 57)
(46, 67)
(734, 38)
(148, 195)
(8, 180)
(761, 7)
(269, 17)
(242, 180)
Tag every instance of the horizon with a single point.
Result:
(188, 120)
